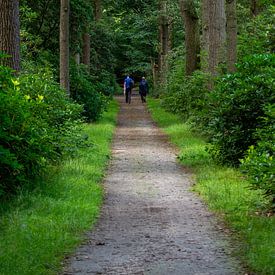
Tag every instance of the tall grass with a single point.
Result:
(37, 229)
(226, 191)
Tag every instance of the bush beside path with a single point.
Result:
(39, 228)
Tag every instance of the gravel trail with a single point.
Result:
(150, 222)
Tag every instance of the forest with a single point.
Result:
(209, 62)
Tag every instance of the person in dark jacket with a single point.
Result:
(128, 85)
(143, 89)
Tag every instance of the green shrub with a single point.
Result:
(38, 124)
(86, 91)
(257, 35)
(259, 163)
(236, 106)
(185, 96)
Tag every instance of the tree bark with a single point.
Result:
(231, 35)
(10, 33)
(214, 28)
(254, 7)
(86, 50)
(77, 58)
(192, 39)
(205, 35)
(165, 36)
(97, 10)
(64, 45)
(164, 39)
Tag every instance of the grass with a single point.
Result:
(37, 229)
(226, 191)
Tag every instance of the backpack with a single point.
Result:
(128, 83)
(143, 86)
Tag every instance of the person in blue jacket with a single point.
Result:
(143, 89)
(128, 85)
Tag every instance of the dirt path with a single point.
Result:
(151, 223)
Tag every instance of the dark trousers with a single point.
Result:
(128, 95)
(143, 97)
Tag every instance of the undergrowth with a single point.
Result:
(226, 191)
(38, 228)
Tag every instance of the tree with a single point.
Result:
(214, 34)
(254, 7)
(64, 45)
(9, 32)
(86, 49)
(97, 10)
(163, 38)
(205, 34)
(192, 38)
(231, 35)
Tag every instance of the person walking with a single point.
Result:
(128, 85)
(143, 89)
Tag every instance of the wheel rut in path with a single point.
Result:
(150, 222)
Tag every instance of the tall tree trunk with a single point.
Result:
(214, 33)
(10, 33)
(254, 7)
(231, 32)
(205, 35)
(164, 39)
(86, 50)
(192, 39)
(165, 36)
(154, 72)
(77, 58)
(64, 45)
(97, 9)
(170, 31)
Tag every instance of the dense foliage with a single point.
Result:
(236, 107)
(134, 24)
(40, 39)
(258, 35)
(38, 124)
(84, 90)
(127, 40)
(259, 163)
(38, 121)
(185, 96)
(236, 116)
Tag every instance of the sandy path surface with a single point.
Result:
(151, 223)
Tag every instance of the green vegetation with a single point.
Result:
(85, 91)
(38, 125)
(236, 115)
(234, 108)
(231, 106)
(37, 228)
(259, 162)
(226, 191)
